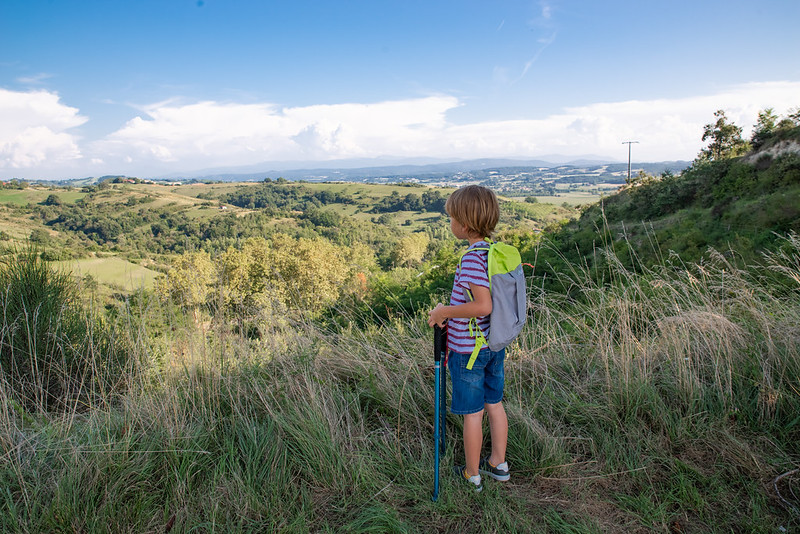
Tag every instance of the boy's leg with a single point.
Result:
(473, 441)
(498, 429)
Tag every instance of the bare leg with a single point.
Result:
(498, 428)
(473, 441)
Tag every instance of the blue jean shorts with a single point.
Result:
(483, 384)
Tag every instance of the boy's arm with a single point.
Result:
(480, 306)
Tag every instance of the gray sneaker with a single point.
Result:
(497, 472)
(460, 471)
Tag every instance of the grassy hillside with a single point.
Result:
(666, 401)
(742, 207)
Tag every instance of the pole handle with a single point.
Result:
(439, 340)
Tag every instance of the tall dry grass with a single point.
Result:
(668, 396)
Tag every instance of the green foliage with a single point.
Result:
(725, 204)
(283, 196)
(39, 236)
(764, 128)
(268, 278)
(189, 281)
(725, 139)
(14, 184)
(52, 200)
(429, 201)
(410, 250)
(772, 129)
(54, 354)
(152, 224)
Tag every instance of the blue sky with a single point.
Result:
(150, 87)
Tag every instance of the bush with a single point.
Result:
(54, 354)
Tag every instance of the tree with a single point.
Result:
(792, 120)
(310, 273)
(764, 128)
(40, 236)
(189, 281)
(726, 139)
(52, 200)
(287, 273)
(409, 250)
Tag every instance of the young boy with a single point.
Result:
(474, 212)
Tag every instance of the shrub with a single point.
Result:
(54, 354)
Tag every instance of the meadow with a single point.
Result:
(577, 195)
(112, 271)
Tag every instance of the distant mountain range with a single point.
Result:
(426, 171)
(383, 165)
(383, 171)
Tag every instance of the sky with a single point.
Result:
(150, 88)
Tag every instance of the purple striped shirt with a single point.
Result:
(473, 270)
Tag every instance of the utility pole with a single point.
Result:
(629, 143)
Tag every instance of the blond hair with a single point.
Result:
(475, 207)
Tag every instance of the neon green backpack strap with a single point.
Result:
(480, 339)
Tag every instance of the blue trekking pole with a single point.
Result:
(439, 403)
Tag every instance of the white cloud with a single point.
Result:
(33, 130)
(208, 134)
(173, 137)
(666, 129)
(35, 79)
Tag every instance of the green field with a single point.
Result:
(15, 196)
(22, 197)
(576, 195)
(113, 271)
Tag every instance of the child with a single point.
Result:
(474, 212)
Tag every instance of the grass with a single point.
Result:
(22, 197)
(665, 401)
(572, 197)
(15, 197)
(53, 355)
(113, 271)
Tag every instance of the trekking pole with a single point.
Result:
(439, 404)
(443, 389)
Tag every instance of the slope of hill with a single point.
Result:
(741, 206)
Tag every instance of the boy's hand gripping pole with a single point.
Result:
(439, 402)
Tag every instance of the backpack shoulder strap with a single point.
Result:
(474, 329)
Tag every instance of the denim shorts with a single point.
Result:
(483, 384)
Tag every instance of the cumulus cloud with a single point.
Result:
(181, 137)
(33, 130)
(666, 129)
(209, 134)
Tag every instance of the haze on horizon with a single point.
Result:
(149, 88)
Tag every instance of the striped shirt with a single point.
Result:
(473, 270)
